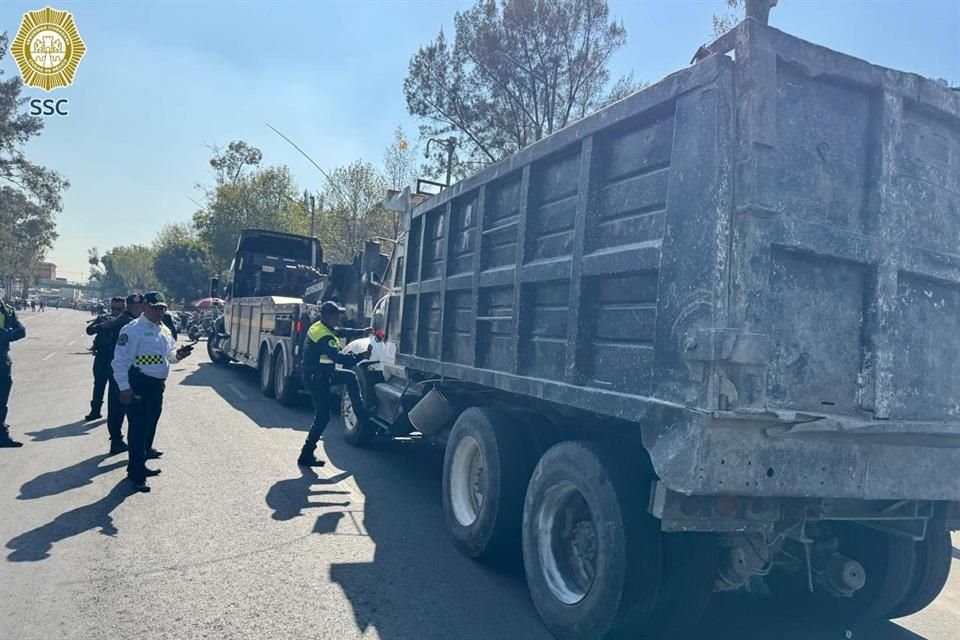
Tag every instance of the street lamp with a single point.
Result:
(449, 145)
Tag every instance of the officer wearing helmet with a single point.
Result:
(321, 354)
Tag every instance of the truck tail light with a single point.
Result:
(299, 326)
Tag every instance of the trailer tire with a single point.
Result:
(485, 474)
(356, 433)
(930, 571)
(215, 353)
(599, 578)
(689, 572)
(265, 369)
(284, 386)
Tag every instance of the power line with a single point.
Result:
(304, 154)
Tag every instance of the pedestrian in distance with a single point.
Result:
(103, 344)
(141, 363)
(11, 330)
(320, 356)
(33, 306)
(42, 304)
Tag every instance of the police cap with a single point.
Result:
(134, 298)
(154, 299)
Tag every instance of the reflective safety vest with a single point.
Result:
(3, 318)
(317, 332)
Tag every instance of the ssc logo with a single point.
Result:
(48, 49)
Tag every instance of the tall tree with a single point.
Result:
(31, 194)
(123, 269)
(230, 164)
(354, 212)
(183, 268)
(399, 161)
(175, 233)
(264, 199)
(517, 71)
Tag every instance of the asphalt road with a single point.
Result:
(236, 541)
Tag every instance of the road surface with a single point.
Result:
(237, 542)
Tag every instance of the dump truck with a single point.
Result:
(707, 336)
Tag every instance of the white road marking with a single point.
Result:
(70, 344)
(49, 355)
(238, 392)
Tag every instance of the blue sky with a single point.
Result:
(162, 80)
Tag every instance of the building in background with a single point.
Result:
(48, 271)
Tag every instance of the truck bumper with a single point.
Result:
(793, 455)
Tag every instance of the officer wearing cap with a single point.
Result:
(116, 411)
(103, 344)
(11, 330)
(321, 354)
(141, 364)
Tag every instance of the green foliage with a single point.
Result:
(124, 269)
(31, 195)
(264, 199)
(517, 71)
(183, 269)
(353, 213)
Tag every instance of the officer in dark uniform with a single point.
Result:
(116, 411)
(103, 345)
(10, 331)
(321, 354)
(141, 363)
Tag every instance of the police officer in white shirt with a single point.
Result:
(141, 363)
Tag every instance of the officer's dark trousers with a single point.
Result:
(142, 415)
(6, 383)
(101, 376)
(116, 411)
(319, 386)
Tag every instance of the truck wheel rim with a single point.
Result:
(280, 380)
(467, 473)
(264, 373)
(566, 536)
(349, 417)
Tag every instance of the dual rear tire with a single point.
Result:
(594, 558)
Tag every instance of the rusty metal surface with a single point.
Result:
(755, 260)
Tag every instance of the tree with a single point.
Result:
(31, 194)
(229, 164)
(399, 161)
(264, 199)
(173, 234)
(354, 212)
(517, 71)
(759, 9)
(124, 269)
(183, 268)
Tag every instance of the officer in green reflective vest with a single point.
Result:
(321, 354)
(10, 331)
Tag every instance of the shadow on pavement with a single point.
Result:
(72, 477)
(288, 498)
(78, 428)
(35, 545)
(226, 381)
(418, 585)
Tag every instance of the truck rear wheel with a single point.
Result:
(485, 473)
(264, 366)
(284, 386)
(215, 352)
(357, 433)
(591, 551)
(930, 570)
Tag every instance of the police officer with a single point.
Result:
(321, 354)
(141, 363)
(10, 331)
(116, 411)
(103, 345)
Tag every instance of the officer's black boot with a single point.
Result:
(307, 459)
(94, 413)
(5, 440)
(118, 446)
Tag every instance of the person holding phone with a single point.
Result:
(141, 363)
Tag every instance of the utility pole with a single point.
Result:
(308, 199)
